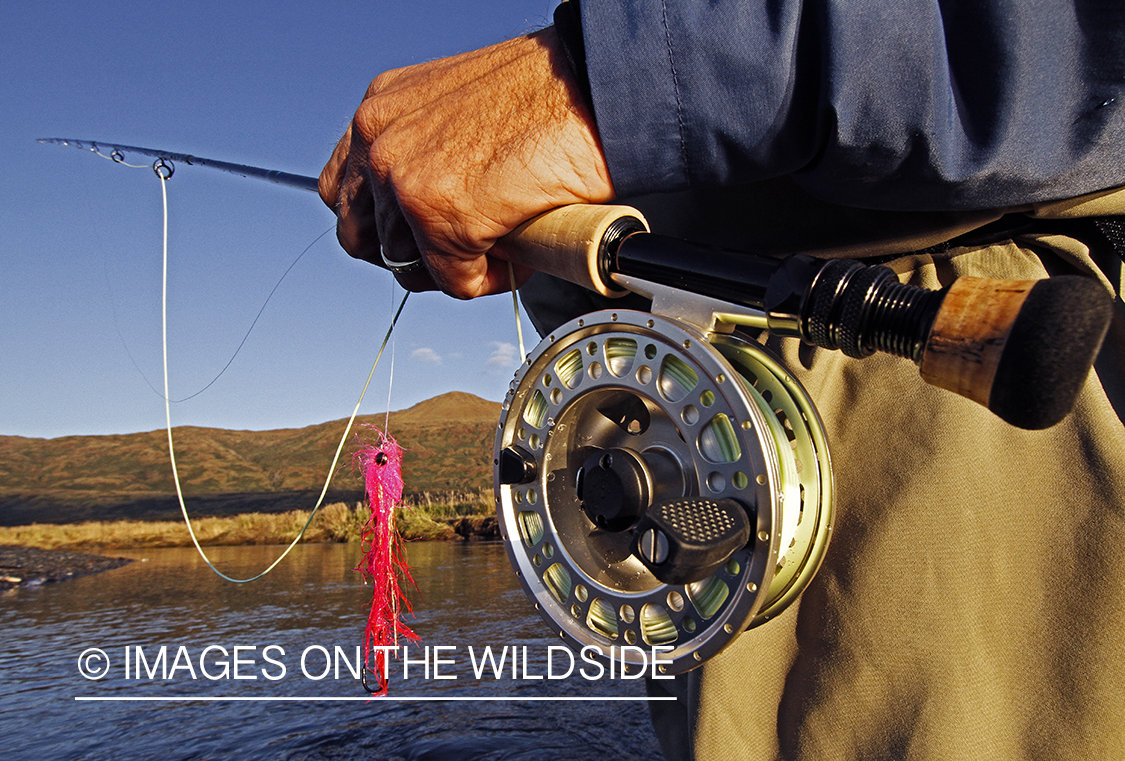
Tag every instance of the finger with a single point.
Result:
(328, 184)
(357, 226)
(522, 273)
(397, 244)
(416, 281)
(400, 255)
(467, 278)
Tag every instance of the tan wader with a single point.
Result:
(972, 601)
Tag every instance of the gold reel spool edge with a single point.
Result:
(803, 560)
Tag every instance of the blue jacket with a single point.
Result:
(922, 105)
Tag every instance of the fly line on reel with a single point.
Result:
(621, 420)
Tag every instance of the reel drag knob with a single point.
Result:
(688, 540)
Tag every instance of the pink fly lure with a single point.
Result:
(384, 558)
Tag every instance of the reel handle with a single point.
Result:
(1022, 349)
(688, 540)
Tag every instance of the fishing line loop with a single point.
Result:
(164, 169)
(168, 409)
(116, 156)
(249, 330)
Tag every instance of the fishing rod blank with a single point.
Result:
(118, 152)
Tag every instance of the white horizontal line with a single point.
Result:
(181, 699)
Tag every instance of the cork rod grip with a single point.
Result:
(1021, 348)
(566, 242)
(969, 334)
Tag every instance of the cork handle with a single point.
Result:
(566, 242)
(969, 335)
(1022, 348)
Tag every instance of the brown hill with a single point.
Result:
(448, 443)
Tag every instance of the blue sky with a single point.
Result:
(271, 84)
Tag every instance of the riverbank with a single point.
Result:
(31, 566)
(335, 523)
(45, 552)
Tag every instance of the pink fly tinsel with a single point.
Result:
(384, 559)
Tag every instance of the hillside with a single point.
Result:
(448, 443)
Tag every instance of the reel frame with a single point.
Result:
(702, 415)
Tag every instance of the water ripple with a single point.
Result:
(467, 596)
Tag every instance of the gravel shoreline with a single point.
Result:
(28, 566)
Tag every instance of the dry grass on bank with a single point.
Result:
(426, 516)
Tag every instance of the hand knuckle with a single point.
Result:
(383, 82)
(370, 120)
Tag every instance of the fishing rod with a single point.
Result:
(117, 153)
(1022, 349)
(661, 480)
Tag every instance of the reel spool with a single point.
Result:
(627, 446)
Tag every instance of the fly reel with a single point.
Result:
(659, 487)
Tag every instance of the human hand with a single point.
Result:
(444, 158)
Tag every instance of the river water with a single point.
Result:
(287, 628)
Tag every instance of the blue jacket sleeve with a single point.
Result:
(931, 104)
